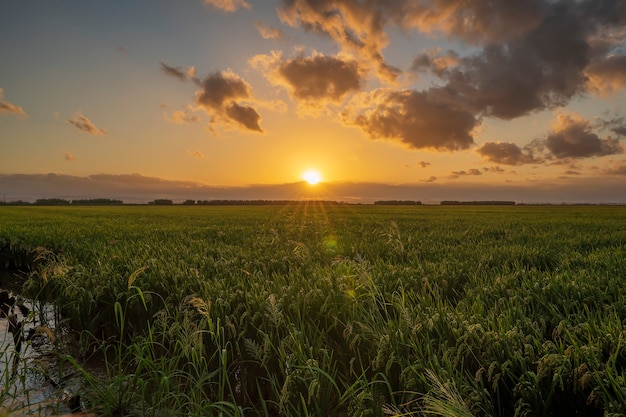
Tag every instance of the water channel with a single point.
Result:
(36, 380)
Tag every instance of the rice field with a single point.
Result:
(311, 309)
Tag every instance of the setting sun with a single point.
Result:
(312, 176)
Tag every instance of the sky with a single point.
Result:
(426, 100)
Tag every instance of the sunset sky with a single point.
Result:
(426, 99)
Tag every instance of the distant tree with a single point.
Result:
(162, 202)
(96, 202)
(398, 203)
(477, 203)
(17, 203)
(52, 202)
(189, 202)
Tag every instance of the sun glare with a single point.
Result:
(312, 177)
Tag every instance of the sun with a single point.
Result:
(312, 176)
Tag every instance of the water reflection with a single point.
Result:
(33, 378)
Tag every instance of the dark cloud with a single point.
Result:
(423, 164)
(543, 70)
(175, 72)
(313, 81)
(573, 137)
(616, 125)
(179, 73)
(222, 88)
(605, 14)
(220, 95)
(413, 118)
(530, 55)
(560, 53)
(472, 171)
(495, 169)
(9, 108)
(244, 115)
(506, 153)
(320, 77)
(435, 62)
(83, 124)
(620, 130)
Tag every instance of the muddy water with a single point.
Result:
(35, 381)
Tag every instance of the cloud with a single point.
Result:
(572, 137)
(179, 73)
(506, 153)
(219, 95)
(196, 154)
(616, 125)
(228, 5)
(80, 122)
(183, 116)
(617, 170)
(548, 42)
(620, 130)
(313, 81)
(435, 62)
(495, 169)
(414, 118)
(572, 172)
(608, 75)
(529, 55)
(9, 108)
(69, 156)
(423, 164)
(222, 88)
(555, 52)
(356, 27)
(268, 32)
(244, 115)
(474, 21)
(470, 172)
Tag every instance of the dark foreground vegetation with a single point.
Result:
(323, 310)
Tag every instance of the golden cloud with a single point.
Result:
(228, 5)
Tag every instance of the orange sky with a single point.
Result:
(427, 100)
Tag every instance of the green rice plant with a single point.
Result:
(444, 399)
(308, 309)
